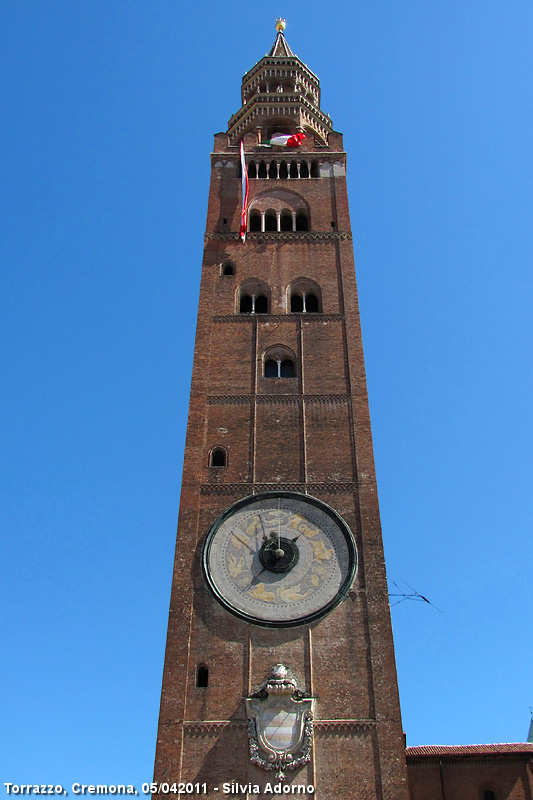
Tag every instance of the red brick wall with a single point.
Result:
(467, 776)
(310, 433)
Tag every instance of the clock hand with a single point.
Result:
(255, 577)
(262, 526)
(243, 542)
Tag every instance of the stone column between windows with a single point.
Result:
(294, 220)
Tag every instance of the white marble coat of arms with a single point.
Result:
(280, 724)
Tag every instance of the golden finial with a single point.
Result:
(280, 25)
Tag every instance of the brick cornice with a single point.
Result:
(342, 727)
(248, 488)
(287, 236)
(246, 399)
(212, 727)
(289, 317)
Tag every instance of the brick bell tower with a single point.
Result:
(279, 670)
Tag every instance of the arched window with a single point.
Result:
(279, 210)
(254, 297)
(218, 457)
(262, 171)
(273, 170)
(286, 220)
(314, 169)
(202, 676)
(279, 362)
(304, 170)
(278, 368)
(302, 223)
(283, 171)
(305, 297)
(255, 221)
(271, 220)
(294, 169)
(252, 170)
(228, 268)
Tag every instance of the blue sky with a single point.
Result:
(108, 115)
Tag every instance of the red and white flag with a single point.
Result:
(286, 141)
(242, 231)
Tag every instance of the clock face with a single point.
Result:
(279, 559)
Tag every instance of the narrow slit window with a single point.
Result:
(273, 170)
(304, 170)
(252, 170)
(314, 169)
(262, 171)
(218, 457)
(294, 169)
(202, 677)
(283, 171)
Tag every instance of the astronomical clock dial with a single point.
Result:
(279, 559)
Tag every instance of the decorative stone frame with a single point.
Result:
(280, 695)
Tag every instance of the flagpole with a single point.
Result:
(244, 171)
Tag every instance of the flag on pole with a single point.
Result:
(286, 141)
(242, 231)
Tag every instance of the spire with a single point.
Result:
(280, 48)
(280, 96)
(530, 734)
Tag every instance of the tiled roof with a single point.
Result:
(468, 749)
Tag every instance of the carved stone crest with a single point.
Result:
(280, 723)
